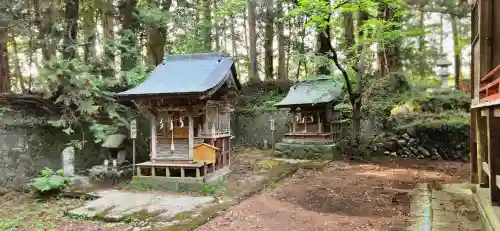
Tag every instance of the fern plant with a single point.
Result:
(49, 182)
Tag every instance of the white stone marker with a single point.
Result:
(68, 157)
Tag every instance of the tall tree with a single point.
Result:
(17, 66)
(268, 40)
(89, 31)
(4, 62)
(217, 27)
(45, 18)
(282, 70)
(234, 46)
(130, 25)
(421, 44)
(349, 34)
(207, 25)
(252, 31)
(108, 24)
(381, 46)
(70, 36)
(157, 35)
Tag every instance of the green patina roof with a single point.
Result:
(312, 91)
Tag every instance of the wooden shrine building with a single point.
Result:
(188, 99)
(312, 105)
(485, 110)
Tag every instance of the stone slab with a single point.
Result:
(115, 204)
(292, 161)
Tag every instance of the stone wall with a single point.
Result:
(28, 144)
(252, 128)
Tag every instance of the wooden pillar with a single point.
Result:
(183, 174)
(138, 169)
(197, 172)
(229, 152)
(191, 134)
(153, 172)
(205, 169)
(320, 126)
(294, 121)
(153, 138)
(223, 158)
(493, 124)
(167, 172)
(481, 148)
(474, 173)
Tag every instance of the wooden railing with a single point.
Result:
(490, 89)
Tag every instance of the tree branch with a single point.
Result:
(335, 59)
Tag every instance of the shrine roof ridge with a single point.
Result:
(186, 74)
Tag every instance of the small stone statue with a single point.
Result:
(68, 158)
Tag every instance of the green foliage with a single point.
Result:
(429, 102)
(49, 182)
(209, 189)
(262, 96)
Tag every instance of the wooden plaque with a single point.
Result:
(204, 153)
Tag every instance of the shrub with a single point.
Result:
(49, 182)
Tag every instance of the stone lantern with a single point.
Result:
(443, 71)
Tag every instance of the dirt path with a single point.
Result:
(344, 196)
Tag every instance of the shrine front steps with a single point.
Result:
(316, 150)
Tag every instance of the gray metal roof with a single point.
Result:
(312, 91)
(182, 74)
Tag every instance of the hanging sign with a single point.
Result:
(133, 129)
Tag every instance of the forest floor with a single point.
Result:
(342, 195)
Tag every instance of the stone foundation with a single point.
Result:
(315, 150)
(182, 184)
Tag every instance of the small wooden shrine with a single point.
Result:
(312, 104)
(188, 99)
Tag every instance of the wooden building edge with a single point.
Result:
(485, 109)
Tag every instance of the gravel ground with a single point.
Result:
(343, 197)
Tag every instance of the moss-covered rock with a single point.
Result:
(449, 137)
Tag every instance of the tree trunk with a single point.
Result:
(45, 26)
(302, 49)
(349, 35)
(17, 67)
(421, 45)
(254, 71)
(381, 47)
(323, 48)
(217, 27)
(268, 40)
(70, 38)
(157, 37)
(457, 51)
(245, 29)
(128, 33)
(4, 63)
(108, 23)
(207, 25)
(90, 33)
(393, 50)
(234, 46)
(282, 71)
(358, 90)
